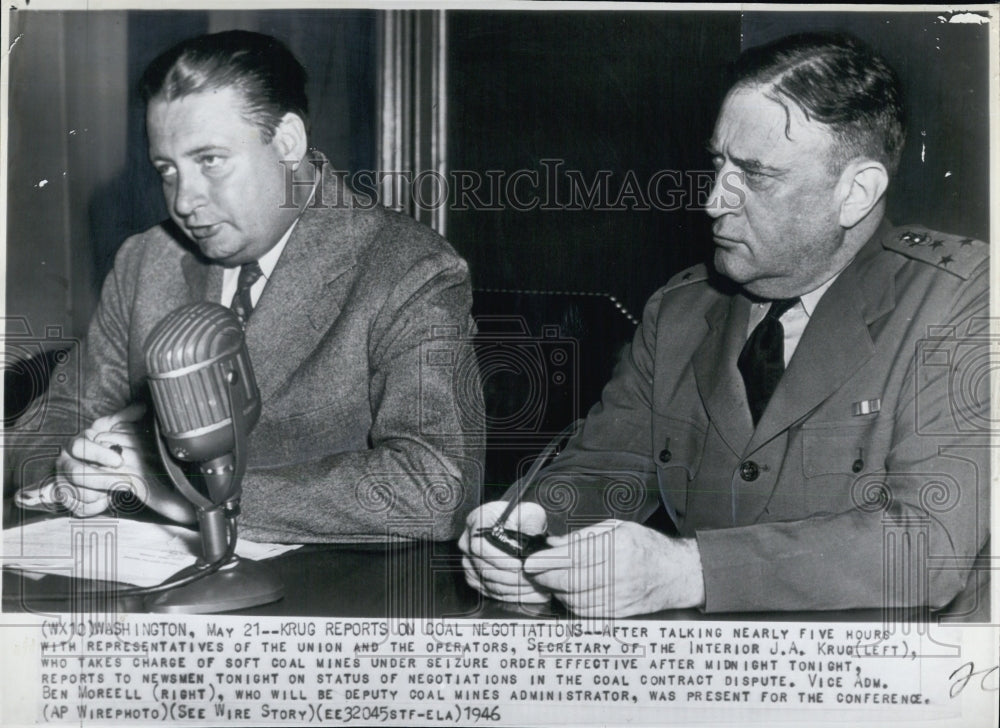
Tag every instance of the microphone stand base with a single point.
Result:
(240, 584)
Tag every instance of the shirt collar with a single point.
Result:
(809, 300)
(269, 260)
(807, 304)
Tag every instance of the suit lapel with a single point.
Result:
(204, 281)
(307, 289)
(835, 344)
(719, 381)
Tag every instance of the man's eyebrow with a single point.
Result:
(749, 164)
(753, 165)
(205, 148)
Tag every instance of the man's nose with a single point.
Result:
(728, 193)
(189, 194)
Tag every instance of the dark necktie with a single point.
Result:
(242, 304)
(762, 361)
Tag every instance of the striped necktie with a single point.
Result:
(242, 303)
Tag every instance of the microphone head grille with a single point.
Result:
(196, 359)
(192, 336)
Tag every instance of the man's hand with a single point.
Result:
(618, 569)
(111, 456)
(490, 570)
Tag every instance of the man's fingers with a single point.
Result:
(491, 556)
(472, 577)
(598, 530)
(92, 452)
(84, 509)
(547, 560)
(555, 580)
(80, 479)
(517, 591)
(118, 441)
(463, 540)
(133, 413)
(485, 515)
(83, 483)
(523, 594)
(83, 502)
(527, 518)
(589, 547)
(123, 420)
(502, 577)
(485, 582)
(492, 570)
(566, 570)
(567, 557)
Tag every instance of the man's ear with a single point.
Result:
(862, 183)
(291, 138)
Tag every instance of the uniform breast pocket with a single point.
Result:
(835, 449)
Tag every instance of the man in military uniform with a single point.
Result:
(800, 407)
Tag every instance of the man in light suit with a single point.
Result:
(810, 410)
(359, 436)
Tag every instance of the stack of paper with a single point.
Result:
(121, 550)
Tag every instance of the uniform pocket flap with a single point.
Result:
(833, 447)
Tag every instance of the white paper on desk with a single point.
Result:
(118, 549)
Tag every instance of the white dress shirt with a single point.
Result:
(267, 262)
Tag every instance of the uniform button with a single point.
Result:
(857, 465)
(749, 470)
(665, 455)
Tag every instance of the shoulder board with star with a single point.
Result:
(694, 274)
(954, 253)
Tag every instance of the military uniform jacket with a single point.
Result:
(362, 432)
(865, 482)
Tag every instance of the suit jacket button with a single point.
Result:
(858, 465)
(665, 455)
(749, 470)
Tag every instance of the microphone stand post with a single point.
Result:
(238, 584)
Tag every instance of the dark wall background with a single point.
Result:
(597, 91)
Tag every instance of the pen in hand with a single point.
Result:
(513, 541)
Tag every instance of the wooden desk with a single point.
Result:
(389, 581)
(406, 580)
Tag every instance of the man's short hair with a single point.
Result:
(261, 68)
(836, 80)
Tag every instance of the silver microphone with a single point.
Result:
(204, 392)
(206, 402)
